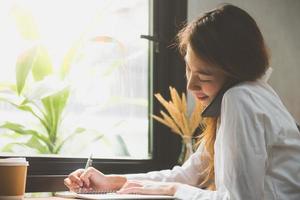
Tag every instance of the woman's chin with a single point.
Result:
(204, 101)
(204, 104)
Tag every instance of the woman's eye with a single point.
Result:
(204, 80)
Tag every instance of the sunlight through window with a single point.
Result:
(74, 78)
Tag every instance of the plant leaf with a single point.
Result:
(28, 108)
(25, 23)
(12, 100)
(70, 57)
(49, 86)
(42, 65)
(57, 102)
(18, 128)
(25, 106)
(36, 144)
(11, 135)
(9, 147)
(48, 115)
(120, 147)
(23, 67)
(76, 132)
(54, 106)
(99, 137)
(35, 59)
(4, 86)
(60, 100)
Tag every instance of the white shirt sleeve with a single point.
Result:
(191, 172)
(240, 155)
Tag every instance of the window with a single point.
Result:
(93, 79)
(101, 100)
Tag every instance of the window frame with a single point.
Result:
(46, 174)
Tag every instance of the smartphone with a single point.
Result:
(214, 108)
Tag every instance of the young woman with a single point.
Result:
(251, 146)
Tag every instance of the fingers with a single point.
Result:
(73, 181)
(85, 177)
(70, 184)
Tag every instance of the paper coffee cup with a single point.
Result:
(13, 172)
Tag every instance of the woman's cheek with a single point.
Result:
(208, 89)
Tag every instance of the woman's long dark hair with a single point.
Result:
(228, 38)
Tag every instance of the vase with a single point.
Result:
(186, 149)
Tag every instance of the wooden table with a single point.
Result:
(46, 198)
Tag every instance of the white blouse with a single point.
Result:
(257, 151)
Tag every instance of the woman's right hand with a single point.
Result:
(92, 179)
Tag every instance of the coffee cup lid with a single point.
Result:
(13, 162)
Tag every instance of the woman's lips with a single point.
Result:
(201, 97)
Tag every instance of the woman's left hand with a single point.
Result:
(148, 187)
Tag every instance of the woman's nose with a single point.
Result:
(192, 83)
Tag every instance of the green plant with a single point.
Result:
(45, 101)
(43, 93)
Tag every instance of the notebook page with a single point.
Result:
(112, 196)
(121, 196)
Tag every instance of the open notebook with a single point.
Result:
(110, 196)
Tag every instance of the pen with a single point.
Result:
(87, 165)
(89, 162)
